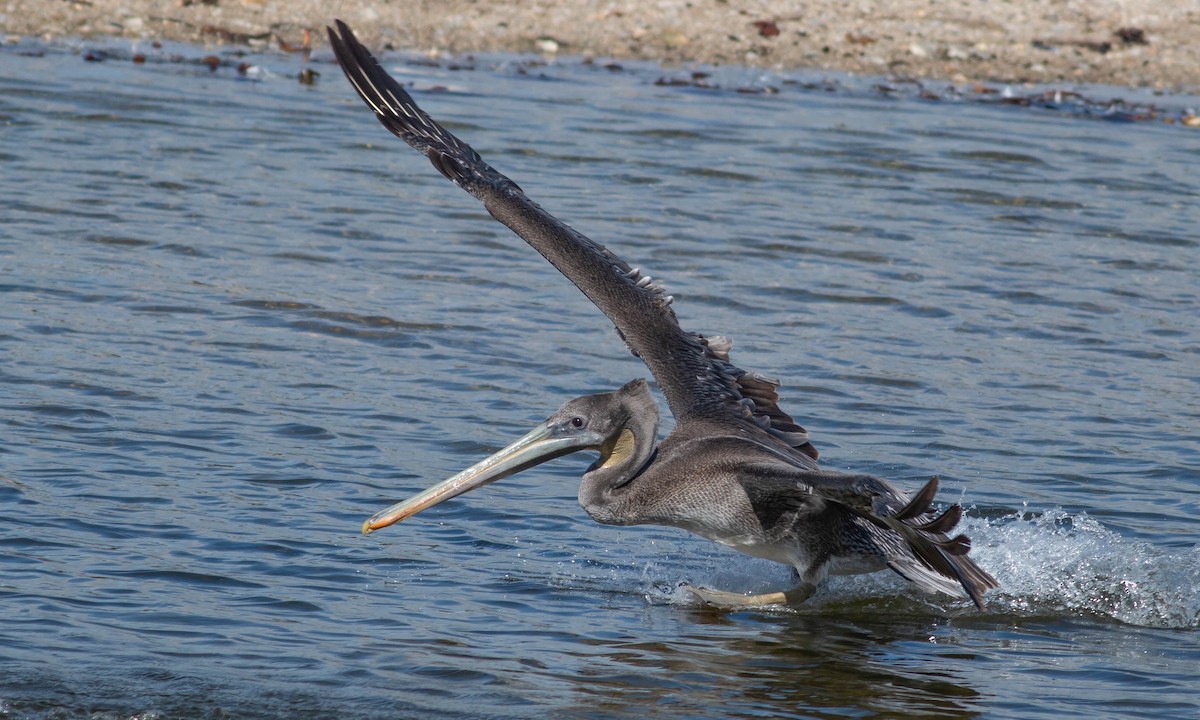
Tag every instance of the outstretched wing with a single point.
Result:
(693, 372)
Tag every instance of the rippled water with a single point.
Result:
(236, 318)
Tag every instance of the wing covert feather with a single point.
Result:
(935, 560)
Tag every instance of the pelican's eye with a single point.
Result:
(577, 422)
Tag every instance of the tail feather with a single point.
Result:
(943, 523)
(937, 562)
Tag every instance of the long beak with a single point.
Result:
(541, 444)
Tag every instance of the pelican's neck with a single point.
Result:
(626, 452)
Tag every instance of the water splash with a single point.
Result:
(1048, 563)
(1056, 562)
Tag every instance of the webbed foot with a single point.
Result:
(728, 600)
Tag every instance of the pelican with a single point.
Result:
(736, 469)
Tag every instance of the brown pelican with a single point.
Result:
(736, 469)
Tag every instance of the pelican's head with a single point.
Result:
(621, 425)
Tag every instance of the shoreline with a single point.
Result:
(1134, 43)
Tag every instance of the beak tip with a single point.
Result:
(366, 528)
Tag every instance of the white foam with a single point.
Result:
(1055, 562)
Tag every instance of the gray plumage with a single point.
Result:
(737, 469)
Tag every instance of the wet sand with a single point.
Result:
(1117, 42)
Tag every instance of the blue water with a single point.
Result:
(237, 317)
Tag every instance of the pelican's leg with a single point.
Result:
(728, 600)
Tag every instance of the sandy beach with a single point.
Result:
(1118, 42)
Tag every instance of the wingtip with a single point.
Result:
(340, 34)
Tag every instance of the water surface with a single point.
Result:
(236, 318)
